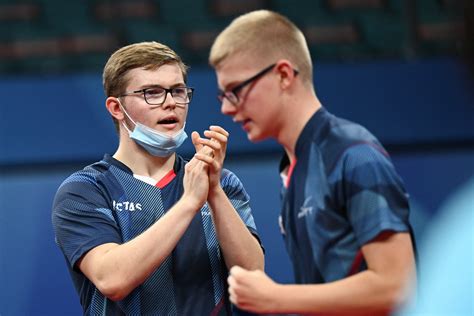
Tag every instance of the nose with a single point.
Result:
(228, 108)
(169, 102)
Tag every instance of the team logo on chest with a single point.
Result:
(306, 209)
(126, 206)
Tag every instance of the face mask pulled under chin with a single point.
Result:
(156, 143)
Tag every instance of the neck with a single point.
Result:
(140, 161)
(297, 115)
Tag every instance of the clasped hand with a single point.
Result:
(203, 171)
(212, 150)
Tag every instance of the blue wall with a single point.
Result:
(50, 127)
(64, 118)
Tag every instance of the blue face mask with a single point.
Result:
(156, 143)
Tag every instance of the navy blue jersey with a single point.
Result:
(341, 193)
(105, 203)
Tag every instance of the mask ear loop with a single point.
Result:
(124, 111)
(130, 132)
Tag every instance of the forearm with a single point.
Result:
(365, 293)
(239, 246)
(121, 268)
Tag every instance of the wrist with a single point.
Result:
(279, 298)
(190, 203)
(215, 191)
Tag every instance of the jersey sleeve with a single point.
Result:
(82, 218)
(376, 199)
(239, 198)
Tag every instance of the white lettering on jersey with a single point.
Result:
(206, 213)
(306, 208)
(126, 206)
(280, 223)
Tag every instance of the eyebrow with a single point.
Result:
(230, 86)
(176, 85)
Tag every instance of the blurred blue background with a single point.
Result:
(393, 66)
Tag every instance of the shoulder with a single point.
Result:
(364, 160)
(228, 178)
(88, 175)
(232, 184)
(363, 153)
(348, 142)
(83, 182)
(343, 134)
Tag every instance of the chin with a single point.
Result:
(255, 138)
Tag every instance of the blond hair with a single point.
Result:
(147, 55)
(263, 35)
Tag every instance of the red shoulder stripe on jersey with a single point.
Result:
(166, 179)
(218, 307)
(356, 263)
(290, 172)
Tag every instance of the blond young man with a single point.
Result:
(144, 231)
(345, 212)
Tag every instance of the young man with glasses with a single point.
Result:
(345, 211)
(145, 232)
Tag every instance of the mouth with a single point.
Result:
(245, 124)
(169, 122)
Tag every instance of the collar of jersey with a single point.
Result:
(178, 163)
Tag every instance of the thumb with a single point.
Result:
(194, 137)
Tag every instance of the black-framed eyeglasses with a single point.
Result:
(157, 95)
(232, 94)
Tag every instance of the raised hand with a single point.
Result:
(212, 150)
(196, 182)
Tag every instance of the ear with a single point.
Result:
(286, 71)
(113, 106)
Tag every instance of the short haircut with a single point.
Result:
(146, 55)
(264, 35)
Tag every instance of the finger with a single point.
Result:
(236, 271)
(210, 162)
(233, 300)
(215, 145)
(219, 129)
(204, 158)
(200, 145)
(231, 281)
(190, 164)
(194, 137)
(206, 150)
(232, 296)
(216, 135)
(196, 164)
